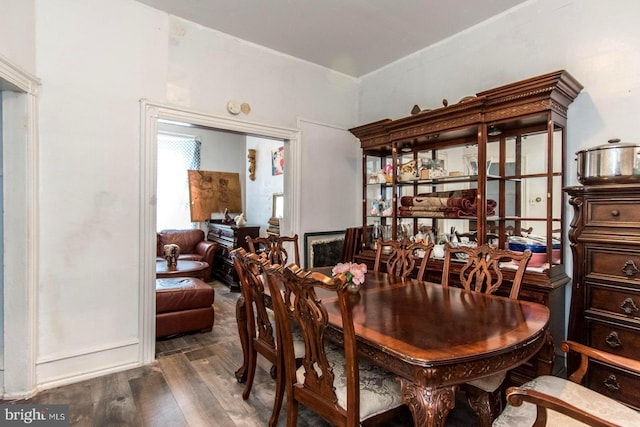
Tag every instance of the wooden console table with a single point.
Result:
(229, 237)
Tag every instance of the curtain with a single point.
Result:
(176, 155)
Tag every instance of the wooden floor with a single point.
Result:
(192, 384)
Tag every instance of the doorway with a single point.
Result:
(182, 146)
(18, 96)
(151, 113)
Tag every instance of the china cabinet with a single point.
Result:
(488, 169)
(604, 314)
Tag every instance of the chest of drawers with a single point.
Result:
(605, 302)
(229, 237)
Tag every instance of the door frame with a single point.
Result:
(21, 231)
(151, 112)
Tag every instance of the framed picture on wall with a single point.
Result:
(277, 158)
(323, 249)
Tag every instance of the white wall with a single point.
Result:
(17, 35)
(96, 61)
(208, 68)
(259, 195)
(332, 161)
(597, 42)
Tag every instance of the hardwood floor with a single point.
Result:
(191, 384)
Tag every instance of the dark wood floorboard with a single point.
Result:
(191, 384)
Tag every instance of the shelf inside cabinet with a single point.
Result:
(503, 178)
(442, 180)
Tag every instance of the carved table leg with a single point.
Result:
(241, 319)
(429, 406)
(545, 357)
(485, 404)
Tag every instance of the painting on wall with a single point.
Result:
(323, 249)
(213, 192)
(277, 157)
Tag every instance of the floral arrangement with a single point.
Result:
(354, 272)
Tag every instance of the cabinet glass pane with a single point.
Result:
(557, 151)
(534, 198)
(379, 190)
(534, 153)
(556, 204)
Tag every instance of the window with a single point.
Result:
(176, 155)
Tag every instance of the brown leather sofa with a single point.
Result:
(183, 304)
(193, 246)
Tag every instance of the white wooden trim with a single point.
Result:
(150, 113)
(22, 241)
(18, 77)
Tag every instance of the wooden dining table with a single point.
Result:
(434, 338)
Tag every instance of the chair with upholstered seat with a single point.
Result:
(331, 380)
(402, 257)
(480, 270)
(260, 325)
(275, 248)
(553, 401)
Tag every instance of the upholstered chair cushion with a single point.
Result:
(572, 393)
(379, 391)
(298, 341)
(490, 383)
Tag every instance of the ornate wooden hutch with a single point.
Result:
(504, 149)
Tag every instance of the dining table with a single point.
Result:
(433, 338)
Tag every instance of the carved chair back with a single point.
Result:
(480, 270)
(257, 332)
(293, 293)
(249, 267)
(275, 248)
(403, 257)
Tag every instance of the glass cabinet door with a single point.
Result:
(437, 191)
(525, 176)
(378, 197)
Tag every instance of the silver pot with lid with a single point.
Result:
(615, 162)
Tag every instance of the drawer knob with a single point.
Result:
(629, 268)
(611, 382)
(628, 306)
(613, 340)
(615, 212)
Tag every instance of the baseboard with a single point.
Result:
(91, 364)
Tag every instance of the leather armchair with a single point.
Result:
(193, 246)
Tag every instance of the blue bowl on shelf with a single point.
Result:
(534, 248)
(519, 244)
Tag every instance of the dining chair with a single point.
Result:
(260, 325)
(331, 381)
(274, 247)
(481, 271)
(354, 240)
(402, 257)
(554, 401)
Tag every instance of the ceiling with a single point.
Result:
(354, 37)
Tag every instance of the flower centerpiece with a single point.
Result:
(354, 272)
